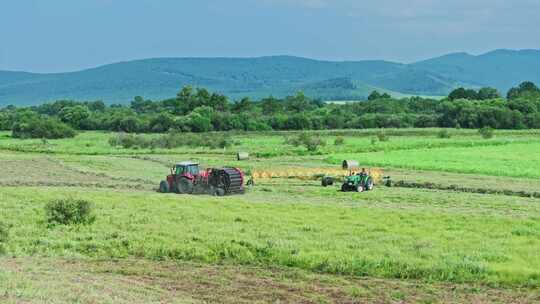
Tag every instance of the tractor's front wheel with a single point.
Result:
(164, 187)
(360, 188)
(185, 186)
(219, 192)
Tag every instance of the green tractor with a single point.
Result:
(358, 182)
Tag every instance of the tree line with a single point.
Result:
(198, 110)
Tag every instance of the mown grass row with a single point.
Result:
(428, 185)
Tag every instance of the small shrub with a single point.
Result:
(130, 141)
(381, 136)
(339, 141)
(69, 211)
(486, 132)
(444, 134)
(310, 141)
(293, 140)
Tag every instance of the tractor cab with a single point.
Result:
(186, 169)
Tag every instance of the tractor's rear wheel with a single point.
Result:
(369, 184)
(344, 188)
(185, 186)
(164, 187)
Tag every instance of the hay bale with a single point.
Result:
(242, 156)
(350, 165)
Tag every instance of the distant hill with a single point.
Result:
(501, 69)
(278, 76)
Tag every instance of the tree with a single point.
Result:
(271, 106)
(139, 105)
(199, 123)
(42, 128)
(218, 102)
(528, 86)
(74, 115)
(161, 122)
(488, 93)
(374, 95)
(244, 105)
(299, 103)
(184, 103)
(525, 89)
(96, 106)
(462, 93)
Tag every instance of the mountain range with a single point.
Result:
(161, 78)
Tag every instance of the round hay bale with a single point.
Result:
(242, 156)
(350, 165)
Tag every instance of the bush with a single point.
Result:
(444, 134)
(381, 136)
(129, 141)
(486, 132)
(308, 140)
(172, 140)
(339, 141)
(69, 211)
(178, 139)
(42, 128)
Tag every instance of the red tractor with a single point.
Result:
(188, 178)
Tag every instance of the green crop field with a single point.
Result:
(286, 240)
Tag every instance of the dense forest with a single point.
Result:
(198, 110)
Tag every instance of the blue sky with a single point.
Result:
(66, 35)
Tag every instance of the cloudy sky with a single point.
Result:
(66, 35)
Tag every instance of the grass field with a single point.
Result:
(286, 240)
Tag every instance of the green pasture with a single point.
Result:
(391, 233)
(513, 160)
(272, 144)
(411, 236)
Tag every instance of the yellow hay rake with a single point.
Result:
(311, 173)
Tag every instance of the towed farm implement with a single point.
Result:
(354, 178)
(189, 178)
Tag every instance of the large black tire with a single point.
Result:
(369, 184)
(327, 181)
(164, 187)
(184, 186)
(219, 192)
(344, 188)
